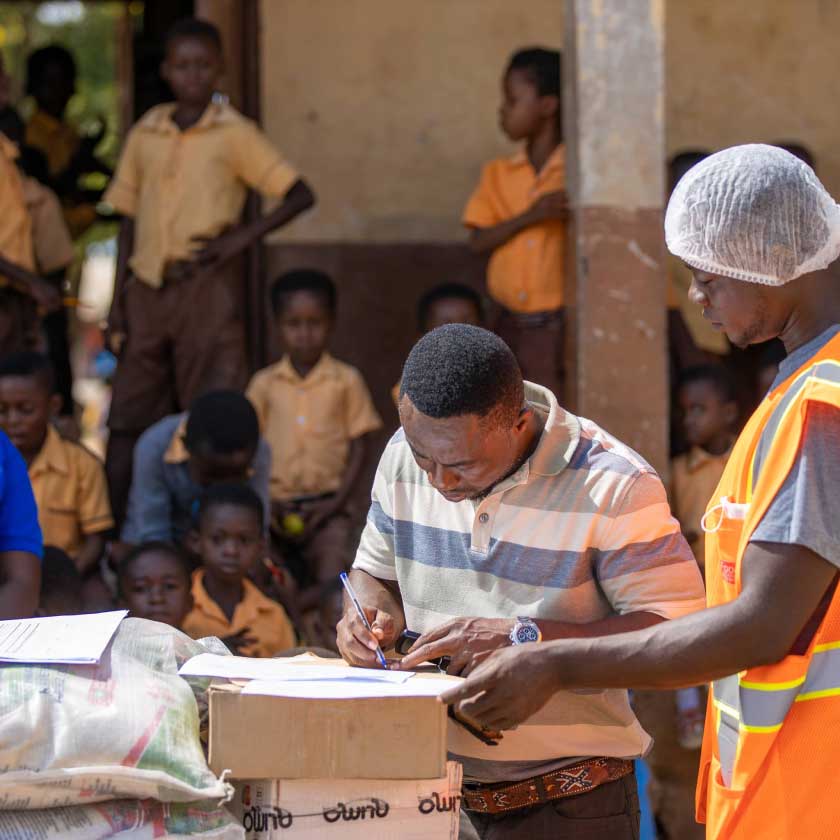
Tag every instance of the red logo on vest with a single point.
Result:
(727, 571)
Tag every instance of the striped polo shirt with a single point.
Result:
(580, 531)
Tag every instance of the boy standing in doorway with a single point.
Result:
(517, 215)
(181, 187)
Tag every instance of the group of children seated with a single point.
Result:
(239, 517)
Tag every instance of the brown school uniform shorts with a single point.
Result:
(182, 340)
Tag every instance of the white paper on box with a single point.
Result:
(245, 668)
(349, 688)
(60, 639)
(350, 809)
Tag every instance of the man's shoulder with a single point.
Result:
(79, 455)
(599, 451)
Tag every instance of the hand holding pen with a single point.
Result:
(360, 613)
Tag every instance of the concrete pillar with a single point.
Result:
(615, 283)
(227, 16)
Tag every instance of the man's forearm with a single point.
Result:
(758, 628)
(687, 651)
(608, 626)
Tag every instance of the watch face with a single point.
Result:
(527, 633)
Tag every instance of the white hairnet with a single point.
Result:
(754, 213)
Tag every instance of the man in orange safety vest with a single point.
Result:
(760, 234)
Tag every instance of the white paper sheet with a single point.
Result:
(350, 688)
(243, 668)
(59, 640)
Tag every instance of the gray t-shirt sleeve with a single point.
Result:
(806, 510)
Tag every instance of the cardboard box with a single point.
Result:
(263, 737)
(350, 809)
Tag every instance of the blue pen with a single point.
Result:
(346, 581)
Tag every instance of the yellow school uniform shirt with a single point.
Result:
(56, 139)
(694, 478)
(15, 222)
(526, 273)
(59, 141)
(309, 423)
(179, 185)
(71, 493)
(265, 619)
(51, 240)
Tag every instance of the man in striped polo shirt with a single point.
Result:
(497, 518)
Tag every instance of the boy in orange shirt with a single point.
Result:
(517, 215)
(229, 540)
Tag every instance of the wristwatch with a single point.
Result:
(524, 631)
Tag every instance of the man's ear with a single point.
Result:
(524, 418)
(55, 405)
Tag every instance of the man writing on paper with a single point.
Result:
(759, 231)
(498, 518)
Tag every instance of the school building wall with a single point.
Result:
(390, 108)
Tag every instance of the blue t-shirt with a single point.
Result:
(19, 529)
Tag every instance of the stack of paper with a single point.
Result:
(59, 640)
(282, 678)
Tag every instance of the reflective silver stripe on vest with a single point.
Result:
(823, 675)
(746, 708)
(828, 371)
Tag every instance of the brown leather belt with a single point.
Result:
(567, 781)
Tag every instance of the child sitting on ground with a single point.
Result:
(709, 409)
(317, 414)
(447, 303)
(517, 215)
(68, 481)
(229, 540)
(153, 582)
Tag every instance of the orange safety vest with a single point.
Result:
(771, 747)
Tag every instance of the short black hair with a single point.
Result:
(192, 28)
(443, 292)
(59, 575)
(309, 280)
(42, 58)
(158, 546)
(236, 494)
(222, 422)
(543, 66)
(30, 365)
(459, 369)
(716, 375)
